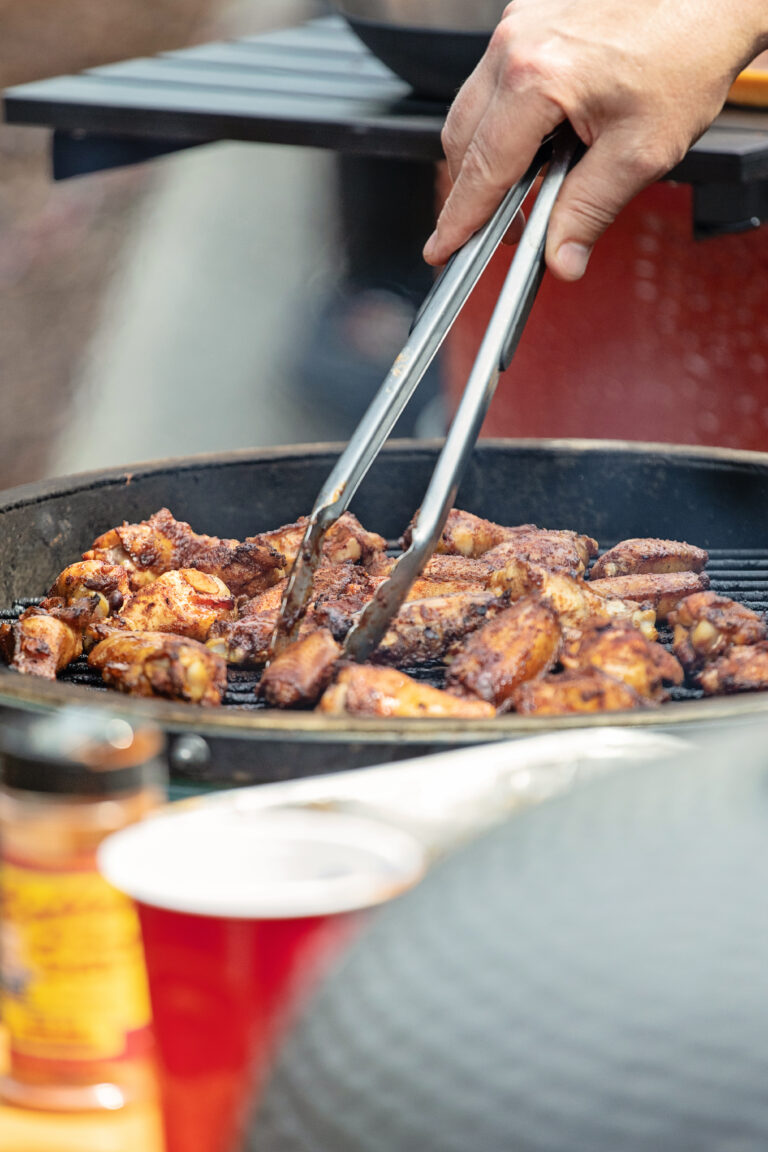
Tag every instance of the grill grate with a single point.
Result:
(741, 574)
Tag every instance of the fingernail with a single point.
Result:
(572, 259)
(431, 246)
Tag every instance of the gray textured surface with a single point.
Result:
(593, 976)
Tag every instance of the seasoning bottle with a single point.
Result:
(75, 1003)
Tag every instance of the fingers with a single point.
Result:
(498, 155)
(594, 193)
(465, 115)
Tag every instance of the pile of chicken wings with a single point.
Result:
(516, 615)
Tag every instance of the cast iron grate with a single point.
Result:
(741, 574)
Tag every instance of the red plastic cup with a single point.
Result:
(241, 912)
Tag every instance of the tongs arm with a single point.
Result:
(496, 352)
(434, 321)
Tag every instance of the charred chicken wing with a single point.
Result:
(707, 625)
(45, 639)
(163, 544)
(624, 653)
(158, 664)
(92, 578)
(662, 590)
(575, 602)
(298, 677)
(521, 642)
(187, 603)
(649, 555)
(362, 690)
(464, 534)
(743, 668)
(571, 692)
(557, 551)
(424, 630)
(346, 540)
(39, 643)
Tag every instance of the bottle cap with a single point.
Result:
(77, 751)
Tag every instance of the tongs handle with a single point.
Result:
(496, 351)
(438, 313)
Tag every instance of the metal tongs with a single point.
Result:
(433, 322)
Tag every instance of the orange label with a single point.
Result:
(71, 965)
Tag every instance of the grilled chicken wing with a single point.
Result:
(39, 643)
(470, 536)
(744, 668)
(571, 692)
(158, 664)
(424, 630)
(624, 653)
(187, 603)
(575, 602)
(447, 570)
(298, 677)
(89, 578)
(339, 591)
(521, 642)
(362, 690)
(164, 544)
(46, 638)
(464, 534)
(346, 540)
(649, 555)
(557, 551)
(663, 590)
(707, 625)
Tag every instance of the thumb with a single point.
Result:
(593, 194)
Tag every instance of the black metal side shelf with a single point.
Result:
(315, 85)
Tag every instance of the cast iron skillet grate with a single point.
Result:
(741, 574)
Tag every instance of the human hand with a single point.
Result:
(639, 80)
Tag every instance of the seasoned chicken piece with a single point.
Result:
(362, 690)
(575, 602)
(39, 643)
(301, 673)
(346, 540)
(471, 537)
(439, 570)
(649, 555)
(246, 642)
(743, 668)
(339, 591)
(187, 603)
(570, 692)
(158, 664)
(462, 569)
(557, 551)
(423, 589)
(92, 578)
(463, 535)
(164, 544)
(330, 582)
(424, 630)
(663, 590)
(707, 625)
(623, 652)
(521, 642)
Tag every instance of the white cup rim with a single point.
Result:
(170, 861)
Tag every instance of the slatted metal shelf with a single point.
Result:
(315, 85)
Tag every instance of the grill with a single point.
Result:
(741, 575)
(713, 498)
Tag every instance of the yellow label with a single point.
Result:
(71, 965)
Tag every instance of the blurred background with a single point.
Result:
(225, 297)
